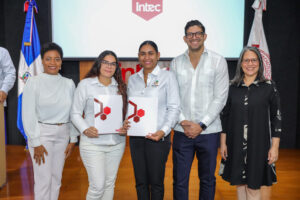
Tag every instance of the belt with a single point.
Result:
(54, 124)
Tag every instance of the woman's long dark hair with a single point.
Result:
(95, 72)
(239, 74)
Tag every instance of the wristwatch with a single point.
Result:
(203, 126)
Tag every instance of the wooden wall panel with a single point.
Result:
(84, 68)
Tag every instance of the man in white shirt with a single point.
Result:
(7, 74)
(203, 84)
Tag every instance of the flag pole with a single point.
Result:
(30, 63)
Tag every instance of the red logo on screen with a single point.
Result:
(147, 9)
(104, 112)
(137, 114)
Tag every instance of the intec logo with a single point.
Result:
(104, 112)
(147, 9)
(137, 114)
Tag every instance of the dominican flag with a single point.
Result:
(30, 59)
(257, 36)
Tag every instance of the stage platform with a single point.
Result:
(75, 182)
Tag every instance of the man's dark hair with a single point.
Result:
(193, 23)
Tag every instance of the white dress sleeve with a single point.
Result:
(29, 115)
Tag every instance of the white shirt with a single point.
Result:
(7, 71)
(163, 85)
(83, 102)
(203, 90)
(46, 99)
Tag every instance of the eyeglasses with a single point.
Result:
(253, 60)
(111, 64)
(49, 59)
(196, 34)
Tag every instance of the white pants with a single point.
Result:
(102, 164)
(47, 176)
(245, 193)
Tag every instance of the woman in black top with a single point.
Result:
(251, 123)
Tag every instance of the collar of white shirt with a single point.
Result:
(95, 80)
(186, 53)
(155, 72)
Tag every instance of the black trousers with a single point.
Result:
(205, 146)
(149, 162)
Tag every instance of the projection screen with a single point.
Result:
(85, 28)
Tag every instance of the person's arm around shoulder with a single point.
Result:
(9, 72)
